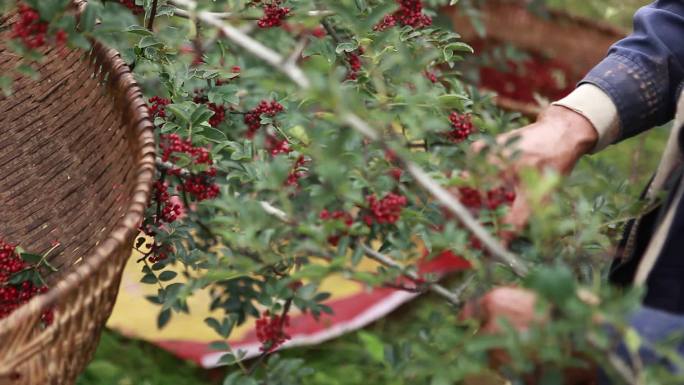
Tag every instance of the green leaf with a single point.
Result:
(149, 278)
(459, 46)
(373, 345)
(163, 318)
(200, 115)
(455, 101)
(167, 275)
(31, 258)
(227, 94)
(139, 30)
(349, 46)
(214, 135)
(149, 41)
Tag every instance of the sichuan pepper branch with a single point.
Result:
(291, 70)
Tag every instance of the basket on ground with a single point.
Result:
(77, 163)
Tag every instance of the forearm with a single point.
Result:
(643, 72)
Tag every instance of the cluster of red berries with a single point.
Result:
(523, 80)
(386, 210)
(169, 211)
(277, 147)
(174, 144)
(270, 330)
(337, 215)
(432, 77)
(157, 106)
(130, 4)
(159, 253)
(491, 199)
(15, 295)
(200, 186)
(274, 14)
(298, 172)
(395, 172)
(218, 110)
(461, 127)
(410, 13)
(253, 117)
(354, 62)
(32, 31)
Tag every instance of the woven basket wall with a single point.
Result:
(76, 166)
(578, 42)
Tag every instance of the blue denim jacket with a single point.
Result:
(644, 73)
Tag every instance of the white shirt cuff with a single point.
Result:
(594, 104)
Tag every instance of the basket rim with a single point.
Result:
(126, 227)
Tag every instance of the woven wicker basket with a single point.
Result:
(76, 166)
(578, 42)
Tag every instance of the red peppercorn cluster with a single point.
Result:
(173, 143)
(298, 172)
(274, 14)
(432, 77)
(31, 30)
(253, 117)
(277, 147)
(386, 210)
(157, 106)
(337, 215)
(491, 199)
(392, 158)
(354, 62)
(159, 253)
(410, 13)
(130, 4)
(201, 185)
(270, 330)
(462, 127)
(169, 211)
(13, 296)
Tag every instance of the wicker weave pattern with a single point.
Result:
(577, 41)
(76, 166)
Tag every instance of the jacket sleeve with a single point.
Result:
(643, 73)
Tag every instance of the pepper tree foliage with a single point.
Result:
(289, 141)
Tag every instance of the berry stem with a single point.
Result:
(153, 14)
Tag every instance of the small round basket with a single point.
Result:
(76, 166)
(579, 42)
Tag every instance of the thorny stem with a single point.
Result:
(153, 14)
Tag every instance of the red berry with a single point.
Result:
(270, 330)
(253, 117)
(158, 106)
(386, 210)
(410, 13)
(462, 127)
(274, 14)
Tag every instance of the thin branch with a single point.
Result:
(453, 298)
(422, 178)
(153, 14)
(236, 16)
(254, 47)
(331, 31)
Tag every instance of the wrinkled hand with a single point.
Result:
(517, 307)
(513, 304)
(557, 141)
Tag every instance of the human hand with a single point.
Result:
(556, 141)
